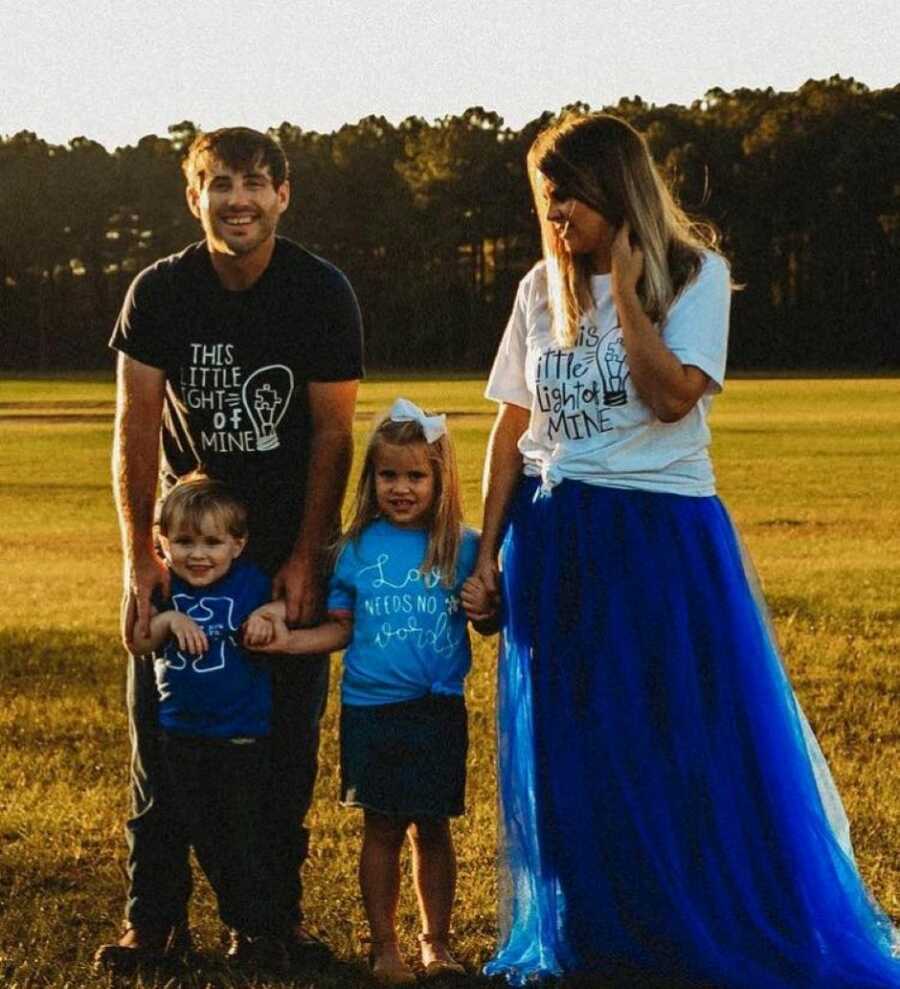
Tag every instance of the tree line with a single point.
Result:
(433, 224)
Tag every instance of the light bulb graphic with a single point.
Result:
(613, 367)
(267, 394)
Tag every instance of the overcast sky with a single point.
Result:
(114, 71)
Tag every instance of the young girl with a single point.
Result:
(395, 598)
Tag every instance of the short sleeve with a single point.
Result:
(696, 329)
(140, 331)
(341, 588)
(507, 379)
(340, 354)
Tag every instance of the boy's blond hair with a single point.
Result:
(198, 498)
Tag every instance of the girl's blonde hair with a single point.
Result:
(445, 519)
(605, 163)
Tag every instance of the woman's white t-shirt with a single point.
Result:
(587, 421)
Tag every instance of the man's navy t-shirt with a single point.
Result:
(237, 367)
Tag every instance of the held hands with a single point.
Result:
(487, 573)
(257, 631)
(479, 604)
(627, 262)
(265, 627)
(273, 638)
(266, 631)
(481, 594)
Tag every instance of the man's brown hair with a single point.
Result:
(241, 149)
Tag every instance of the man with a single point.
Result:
(242, 354)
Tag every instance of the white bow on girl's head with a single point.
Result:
(434, 427)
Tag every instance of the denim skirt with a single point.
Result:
(406, 759)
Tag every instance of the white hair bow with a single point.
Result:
(434, 427)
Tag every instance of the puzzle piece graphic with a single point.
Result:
(214, 616)
(266, 400)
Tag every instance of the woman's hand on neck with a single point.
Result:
(626, 263)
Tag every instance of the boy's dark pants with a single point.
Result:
(215, 790)
(158, 867)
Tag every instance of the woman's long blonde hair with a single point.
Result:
(445, 520)
(606, 164)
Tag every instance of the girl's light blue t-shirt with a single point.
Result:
(410, 634)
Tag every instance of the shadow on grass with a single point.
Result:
(39, 656)
(207, 969)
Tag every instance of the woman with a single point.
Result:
(666, 812)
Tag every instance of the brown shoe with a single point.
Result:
(260, 952)
(144, 945)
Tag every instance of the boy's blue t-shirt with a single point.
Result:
(223, 693)
(410, 634)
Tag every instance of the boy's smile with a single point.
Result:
(201, 558)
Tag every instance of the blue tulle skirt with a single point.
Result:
(666, 813)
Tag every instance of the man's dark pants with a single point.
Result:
(160, 881)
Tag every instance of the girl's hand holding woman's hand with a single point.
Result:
(478, 603)
(627, 263)
(488, 573)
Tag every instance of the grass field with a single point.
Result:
(808, 468)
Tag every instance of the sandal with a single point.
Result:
(390, 971)
(438, 968)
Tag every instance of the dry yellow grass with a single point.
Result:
(808, 469)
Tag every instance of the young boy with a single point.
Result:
(215, 707)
